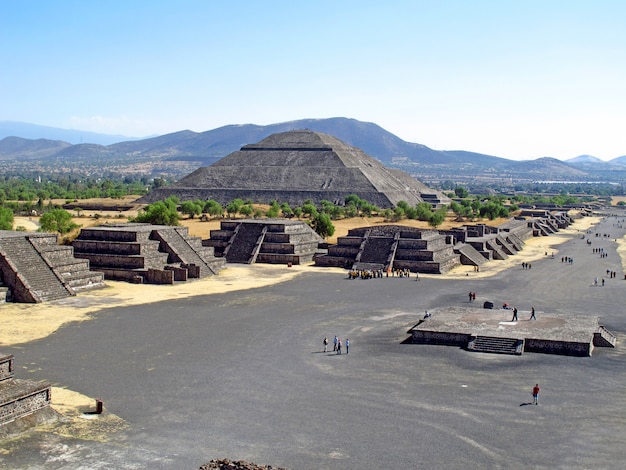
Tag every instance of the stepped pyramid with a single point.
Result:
(299, 165)
(136, 252)
(35, 268)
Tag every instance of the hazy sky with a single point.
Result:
(515, 79)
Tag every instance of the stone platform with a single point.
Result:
(468, 327)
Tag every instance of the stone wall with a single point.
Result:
(6, 367)
(440, 337)
(567, 348)
(24, 405)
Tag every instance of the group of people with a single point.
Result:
(472, 296)
(337, 344)
(526, 265)
(379, 273)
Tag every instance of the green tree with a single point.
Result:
(233, 207)
(461, 192)
(273, 211)
(213, 208)
(57, 220)
(191, 208)
(309, 209)
(437, 217)
(246, 210)
(322, 224)
(6, 218)
(159, 213)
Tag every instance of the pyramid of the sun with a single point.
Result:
(299, 165)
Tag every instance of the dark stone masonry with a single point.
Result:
(272, 241)
(19, 398)
(145, 253)
(35, 268)
(296, 166)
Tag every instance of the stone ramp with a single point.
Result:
(469, 255)
(498, 253)
(34, 279)
(243, 243)
(180, 249)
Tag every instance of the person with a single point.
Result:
(514, 314)
(325, 343)
(335, 343)
(347, 345)
(536, 394)
(427, 315)
(339, 346)
(532, 314)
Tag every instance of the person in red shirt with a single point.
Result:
(536, 394)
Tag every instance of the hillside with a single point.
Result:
(177, 154)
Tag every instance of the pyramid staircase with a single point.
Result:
(35, 280)
(184, 249)
(496, 345)
(243, 242)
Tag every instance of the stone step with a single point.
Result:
(496, 345)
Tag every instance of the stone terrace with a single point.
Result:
(392, 247)
(35, 268)
(272, 241)
(139, 253)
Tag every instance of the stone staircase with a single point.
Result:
(604, 338)
(243, 242)
(74, 272)
(183, 249)
(496, 345)
(35, 280)
(376, 250)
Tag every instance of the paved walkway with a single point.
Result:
(242, 375)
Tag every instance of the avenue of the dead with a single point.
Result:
(243, 375)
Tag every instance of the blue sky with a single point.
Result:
(515, 79)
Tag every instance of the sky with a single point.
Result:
(509, 78)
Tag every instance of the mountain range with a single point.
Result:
(178, 154)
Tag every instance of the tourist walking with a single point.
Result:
(325, 343)
(514, 314)
(339, 346)
(536, 394)
(347, 345)
(532, 314)
(335, 343)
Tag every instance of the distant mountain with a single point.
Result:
(177, 154)
(34, 131)
(584, 159)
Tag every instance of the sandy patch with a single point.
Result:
(78, 420)
(31, 224)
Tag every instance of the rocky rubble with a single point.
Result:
(226, 464)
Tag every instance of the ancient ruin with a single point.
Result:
(493, 331)
(156, 254)
(296, 166)
(35, 268)
(21, 398)
(392, 247)
(273, 241)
